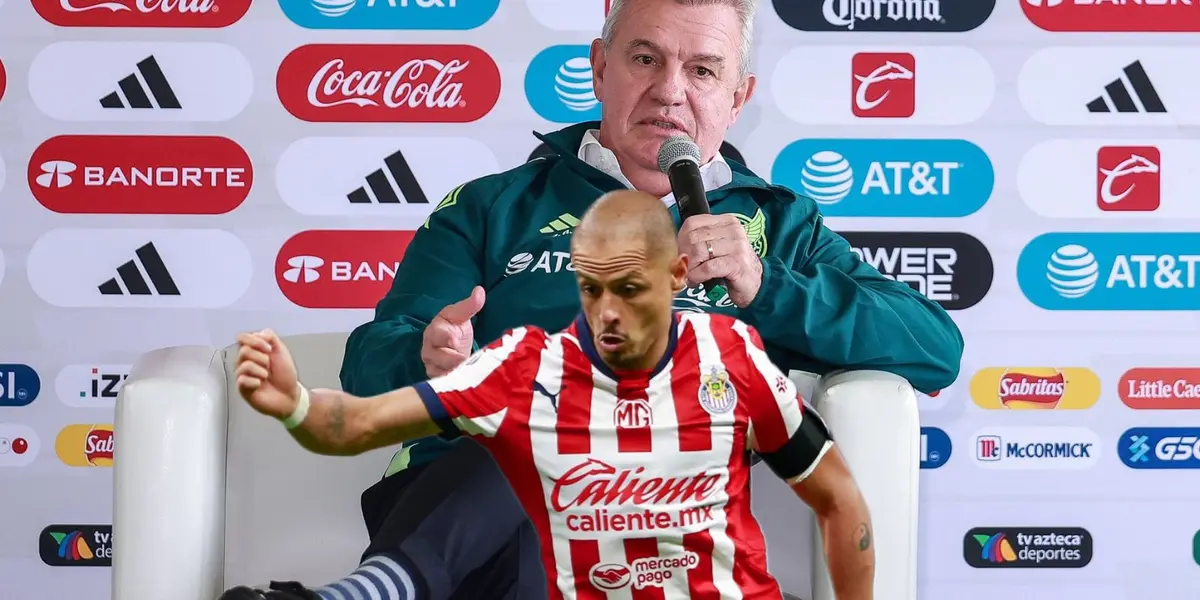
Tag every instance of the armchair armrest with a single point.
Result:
(169, 476)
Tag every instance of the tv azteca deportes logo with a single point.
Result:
(76, 545)
(1028, 547)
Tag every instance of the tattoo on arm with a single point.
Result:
(337, 418)
(863, 534)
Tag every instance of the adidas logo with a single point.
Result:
(137, 90)
(384, 183)
(561, 225)
(129, 276)
(1125, 94)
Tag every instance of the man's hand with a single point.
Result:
(717, 246)
(447, 340)
(266, 374)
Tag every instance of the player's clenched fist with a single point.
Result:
(266, 374)
(448, 339)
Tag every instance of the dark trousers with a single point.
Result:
(458, 523)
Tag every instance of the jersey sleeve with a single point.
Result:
(784, 430)
(473, 398)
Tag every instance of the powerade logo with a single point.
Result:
(19, 385)
(935, 447)
(558, 84)
(1111, 271)
(953, 269)
(389, 14)
(888, 178)
(1160, 448)
(1027, 547)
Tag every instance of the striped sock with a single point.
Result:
(380, 577)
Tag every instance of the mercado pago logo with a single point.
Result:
(1035, 388)
(1160, 448)
(340, 268)
(953, 269)
(20, 385)
(142, 82)
(197, 14)
(85, 445)
(76, 545)
(130, 174)
(558, 84)
(885, 15)
(875, 85)
(1111, 271)
(389, 14)
(887, 178)
(1160, 388)
(19, 445)
(1028, 547)
(1043, 447)
(388, 83)
(1113, 15)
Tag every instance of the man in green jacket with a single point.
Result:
(494, 255)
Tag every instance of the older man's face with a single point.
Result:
(671, 69)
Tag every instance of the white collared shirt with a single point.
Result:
(715, 174)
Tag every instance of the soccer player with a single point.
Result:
(627, 436)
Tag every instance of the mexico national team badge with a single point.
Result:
(717, 394)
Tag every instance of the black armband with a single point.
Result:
(803, 451)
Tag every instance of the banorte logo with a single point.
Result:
(1035, 388)
(197, 14)
(1160, 388)
(1113, 16)
(388, 83)
(340, 268)
(119, 174)
(85, 445)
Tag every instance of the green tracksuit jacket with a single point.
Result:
(820, 308)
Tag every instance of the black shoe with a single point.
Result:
(280, 590)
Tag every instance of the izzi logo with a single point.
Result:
(1027, 547)
(1111, 271)
(76, 545)
(884, 15)
(935, 448)
(91, 386)
(389, 14)
(19, 385)
(1160, 448)
(558, 84)
(888, 178)
(953, 269)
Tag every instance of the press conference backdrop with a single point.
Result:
(175, 171)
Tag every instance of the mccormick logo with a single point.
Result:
(1036, 448)
(199, 14)
(1101, 16)
(1027, 547)
(1128, 178)
(19, 385)
(885, 15)
(1160, 448)
(888, 178)
(76, 545)
(1035, 388)
(388, 83)
(19, 445)
(85, 445)
(390, 14)
(340, 268)
(117, 174)
(1160, 388)
(883, 85)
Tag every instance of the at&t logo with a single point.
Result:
(558, 84)
(1161, 448)
(389, 14)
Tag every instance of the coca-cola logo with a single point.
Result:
(200, 14)
(596, 483)
(388, 83)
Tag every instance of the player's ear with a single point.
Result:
(679, 270)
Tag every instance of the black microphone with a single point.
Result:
(679, 158)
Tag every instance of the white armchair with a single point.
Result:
(195, 468)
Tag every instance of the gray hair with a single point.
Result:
(745, 12)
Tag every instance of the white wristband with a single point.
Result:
(297, 417)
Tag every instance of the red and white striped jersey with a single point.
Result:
(637, 482)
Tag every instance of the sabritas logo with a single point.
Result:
(85, 445)
(1160, 388)
(76, 545)
(340, 268)
(1113, 15)
(1036, 388)
(388, 83)
(142, 13)
(115, 174)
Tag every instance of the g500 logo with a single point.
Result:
(1160, 448)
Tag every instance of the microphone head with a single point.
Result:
(675, 149)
